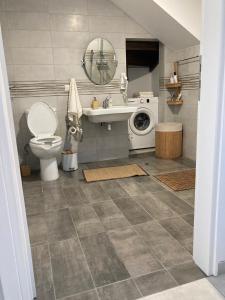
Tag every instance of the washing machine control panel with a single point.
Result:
(144, 100)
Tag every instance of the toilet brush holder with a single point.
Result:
(69, 161)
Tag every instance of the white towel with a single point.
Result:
(74, 105)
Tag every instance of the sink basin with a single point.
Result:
(109, 115)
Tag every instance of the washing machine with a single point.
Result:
(141, 125)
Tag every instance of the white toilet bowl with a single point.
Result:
(42, 122)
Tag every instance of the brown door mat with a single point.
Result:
(113, 173)
(178, 181)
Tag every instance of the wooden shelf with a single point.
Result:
(174, 102)
(173, 85)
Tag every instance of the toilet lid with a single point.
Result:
(41, 119)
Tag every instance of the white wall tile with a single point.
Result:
(103, 8)
(66, 56)
(106, 24)
(132, 27)
(21, 104)
(62, 105)
(78, 40)
(3, 20)
(8, 55)
(121, 56)
(28, 21)
(65, 72)
(2, 5)
(10, 72)
(26, 5)
(88, 150)
(113, 153)
(46, 39)
(140, 36)
(78, 7)
(27, 38)
(116, 39)
(69, 23)
(32, 56)
(28, 73)
(121, 68)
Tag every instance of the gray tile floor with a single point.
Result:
(120, 239)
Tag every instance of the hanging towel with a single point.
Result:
(74, 105)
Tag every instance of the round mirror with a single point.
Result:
(100, 61)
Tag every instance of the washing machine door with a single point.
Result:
(142, 121)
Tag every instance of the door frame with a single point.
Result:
(209, 224)
(16, 269)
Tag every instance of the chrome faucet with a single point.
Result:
(105, 103)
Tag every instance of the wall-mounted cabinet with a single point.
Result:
(142, 53)
(142, 59)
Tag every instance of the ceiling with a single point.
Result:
(177, 25)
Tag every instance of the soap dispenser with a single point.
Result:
(95, 103)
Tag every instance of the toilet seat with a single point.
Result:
(46, 140)
(42, 120)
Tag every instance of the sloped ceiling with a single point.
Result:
(154, 18)
(185, 12)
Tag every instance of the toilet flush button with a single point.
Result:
(142, 101)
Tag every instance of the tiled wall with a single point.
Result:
(45, 40)
(187, 112)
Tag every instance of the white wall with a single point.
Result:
(17, 278)
(209, 229)
(1, 292)
(186, 12)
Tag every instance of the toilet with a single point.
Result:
(42, 123)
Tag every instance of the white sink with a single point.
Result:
(109, 115)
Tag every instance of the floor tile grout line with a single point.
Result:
(115, 282)
(171, 191)
(137, 287)
(149, 213)
(169, 272)
(131, 225)
(181, 264)
(127, 226)
(51, 269)
(187, 221)
(153, 220)
(152, 254)
(174, 238)
(176, 217)
(76, 294)
(92, 278)
(131, 277)
(152, 177)
(170, 236)
(153, 195)
(171, 276)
